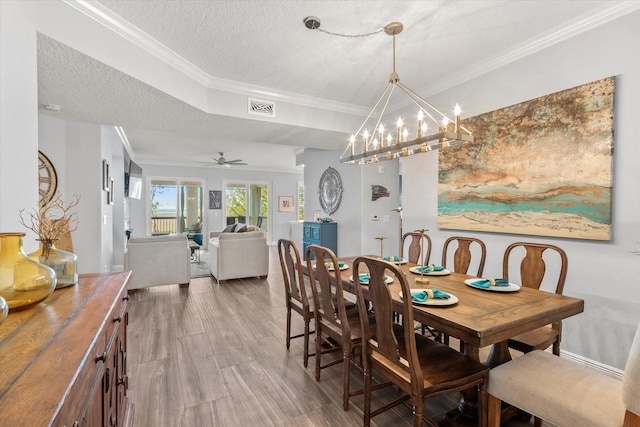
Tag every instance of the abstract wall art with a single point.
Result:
(542, 167)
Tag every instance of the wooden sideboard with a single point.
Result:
(63, 362)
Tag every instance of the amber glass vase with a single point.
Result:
(23, 281)
(4, 309)
(62, 262)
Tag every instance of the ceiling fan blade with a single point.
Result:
(234, 161)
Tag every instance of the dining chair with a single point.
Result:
(337, 325)
(532, 269)
(414, 251)
(295, 292)
(566, 393)
(418, 366)
(466, 248)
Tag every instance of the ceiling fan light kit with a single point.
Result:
(221, 161)
(384, 143)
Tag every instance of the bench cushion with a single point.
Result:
(559, 391)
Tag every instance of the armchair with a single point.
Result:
(238, 255)
(155, 261)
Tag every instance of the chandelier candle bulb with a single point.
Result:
(380, 138)
(352, 141)
(366, 141)
(456, 112)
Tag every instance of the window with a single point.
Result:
(247, 203)
(176, 206)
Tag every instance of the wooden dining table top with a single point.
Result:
(480, 317)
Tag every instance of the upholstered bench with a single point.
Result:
(565, 393)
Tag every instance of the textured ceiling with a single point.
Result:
(265, 44)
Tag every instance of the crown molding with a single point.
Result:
(568, 30)
(133, 34)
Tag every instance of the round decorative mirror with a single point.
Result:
(330, 191)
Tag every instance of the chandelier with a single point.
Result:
(432, 129)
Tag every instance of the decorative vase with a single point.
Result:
(23, 281)
(62, 262)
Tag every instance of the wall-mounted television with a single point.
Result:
(133, 181)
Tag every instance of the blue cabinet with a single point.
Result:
(321, 234)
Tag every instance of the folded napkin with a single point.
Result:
(392, 258)
(428, 294)
(430, 268)
(364, 277)
(487, 283)
(330, 264)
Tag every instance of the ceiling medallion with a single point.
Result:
(330, 191)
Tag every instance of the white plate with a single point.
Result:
(512, 287)
(387, 280)
(433, 273)
(450, 301)
(344, 267)
(402, 261)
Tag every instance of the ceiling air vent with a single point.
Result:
(262, 108)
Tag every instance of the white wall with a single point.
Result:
(18, 118)
(282, 184)
(604, 274)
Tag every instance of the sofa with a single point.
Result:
(159, 260)
(236, 255)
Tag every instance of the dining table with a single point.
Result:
(479, 317)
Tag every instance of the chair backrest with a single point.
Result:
(292, 274)
(631, 378)
(383, 346)
(327, 290)
(532, 265)
(416, 247)
(464, 253)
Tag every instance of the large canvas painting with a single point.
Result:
(542, 167)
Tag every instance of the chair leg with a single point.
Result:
(556, 348)
(306, 342)
(318, 350)
(367, 397)
(346, 370)
(288, 327)
(418, 408)
(495, 411)
(482, 403)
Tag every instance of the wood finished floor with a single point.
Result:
(214, 355)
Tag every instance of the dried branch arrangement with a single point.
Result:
(53, 219)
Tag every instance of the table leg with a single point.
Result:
(499, 354)
(468, 406)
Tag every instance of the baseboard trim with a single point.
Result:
(601, 367)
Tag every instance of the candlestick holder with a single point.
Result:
(381, 238)
(422, 280)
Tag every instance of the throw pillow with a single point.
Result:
(230, 228)
(241, 228)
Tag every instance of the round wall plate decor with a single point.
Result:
(330, 191)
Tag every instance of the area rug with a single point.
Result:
(200, 268)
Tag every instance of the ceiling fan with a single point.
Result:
(221, 161)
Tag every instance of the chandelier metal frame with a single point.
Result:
(374, 148)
